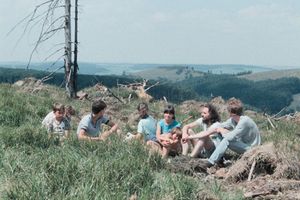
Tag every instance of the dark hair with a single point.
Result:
(70, 110)
(170, 109)
(98, 106)
(142, 106)
(213, 113)
(235, 106)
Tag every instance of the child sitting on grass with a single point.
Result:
(58, 125)
(171, 142)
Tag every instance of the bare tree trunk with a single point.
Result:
(68, 51)
(75, 48)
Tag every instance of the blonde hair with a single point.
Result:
(177, 131)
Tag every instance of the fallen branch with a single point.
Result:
(151, 86)
(274, 116)
(272, 125)
(251, 170)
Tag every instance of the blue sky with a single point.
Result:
(255, 32)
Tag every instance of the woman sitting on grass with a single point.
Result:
(164, 128)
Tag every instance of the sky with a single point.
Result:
(252, 32)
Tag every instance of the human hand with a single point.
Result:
(185, 139)
(166, 143)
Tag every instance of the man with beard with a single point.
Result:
(205, 141)
(239, 133)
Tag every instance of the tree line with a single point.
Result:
(268, 95)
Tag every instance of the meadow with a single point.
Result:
(32, 166)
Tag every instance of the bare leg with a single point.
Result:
(206, 142)
(154, 146)
(186, 146)
(165, 152)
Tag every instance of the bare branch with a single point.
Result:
(48, 76)
(151, 86)
(55, 52)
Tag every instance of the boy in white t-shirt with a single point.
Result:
(56, 123)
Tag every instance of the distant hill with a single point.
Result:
(132, 68)
(181, 72)
(267, 95)
(274, 74)
(175, 73)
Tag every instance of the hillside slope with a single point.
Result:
(34, 166)
(274, 74)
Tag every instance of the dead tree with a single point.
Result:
(48, 15)
(140, 90)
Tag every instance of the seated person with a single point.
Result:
(171, 141)
(57, 125)
(239, 133)
(89, 127)
(205, 141)
(69, 112)
(165, 126)
(146, 130)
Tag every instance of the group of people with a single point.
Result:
(239, 133)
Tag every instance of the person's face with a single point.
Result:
(174, 136)
(100, 114)
(235, 117)
(143, 112)
(59, 114)
(168, 117)
(205, 113)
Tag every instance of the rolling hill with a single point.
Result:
(274, 74)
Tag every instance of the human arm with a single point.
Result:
(67, 134)
(237, 131)
(82, 135)
(113, 129)
(159, 136)
(202, 134)
(186, 128)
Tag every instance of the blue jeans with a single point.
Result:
(236, 146)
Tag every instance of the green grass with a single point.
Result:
(32, 166)
(35, 167)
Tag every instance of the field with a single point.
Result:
(36, 167)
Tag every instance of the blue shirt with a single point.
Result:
(147, 127)
(166, 128)
(245, 131)
(92, 130)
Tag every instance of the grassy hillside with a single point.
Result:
(274, 74)
(35, 167)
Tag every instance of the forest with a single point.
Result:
(268, 96)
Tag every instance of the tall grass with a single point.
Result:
(32, 166)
